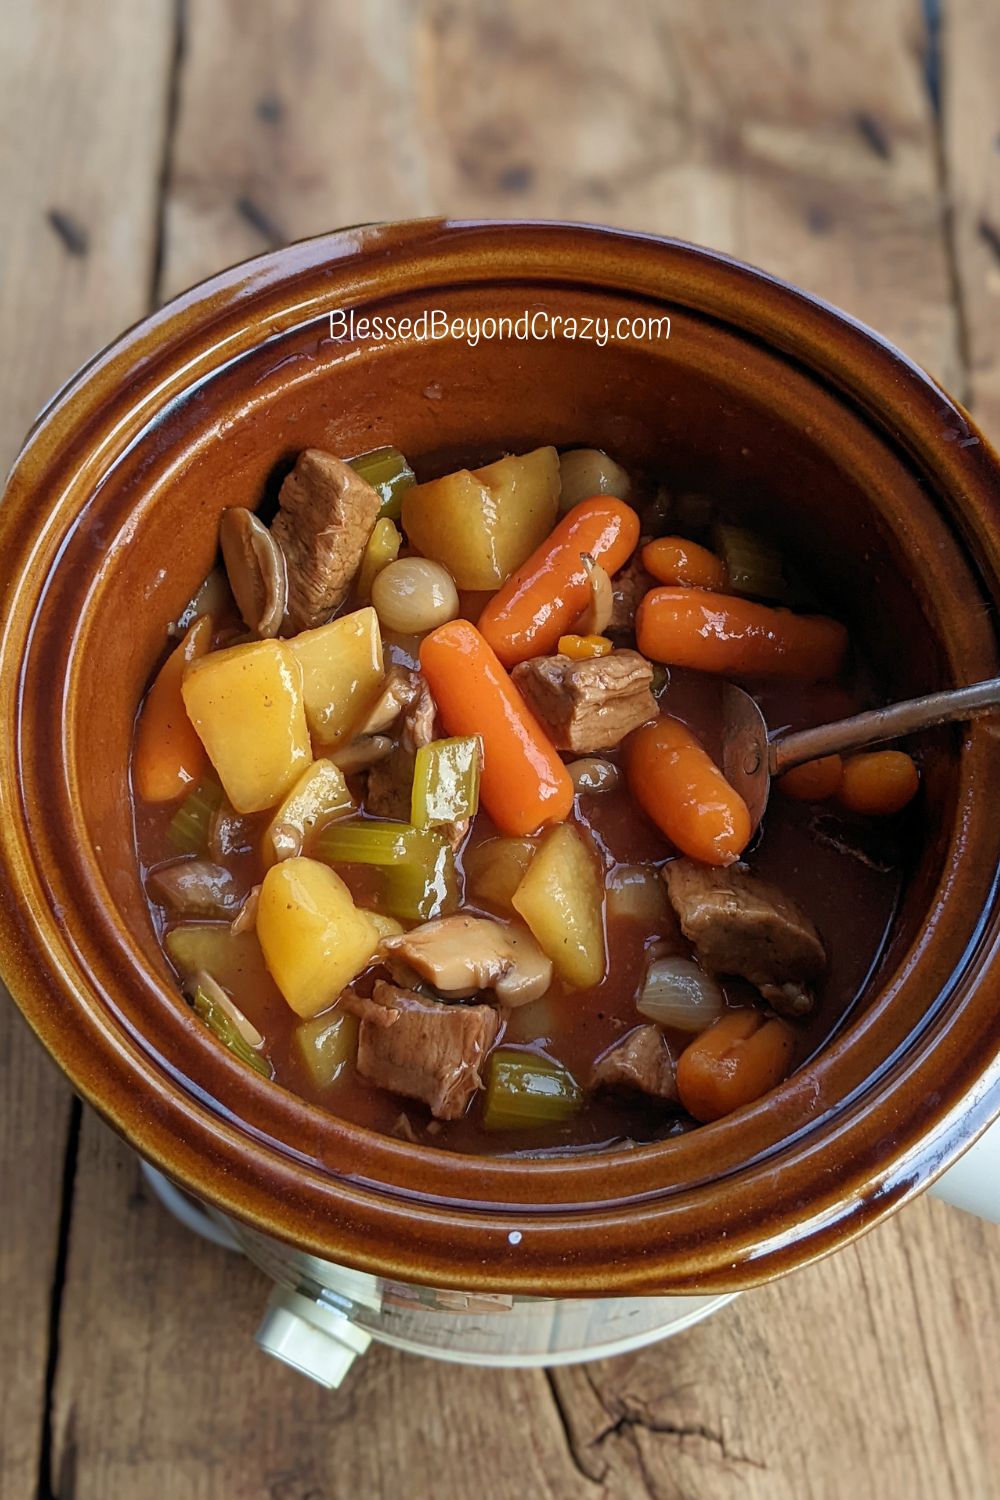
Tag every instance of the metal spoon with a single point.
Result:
(751, 756)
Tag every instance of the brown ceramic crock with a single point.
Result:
(870, 473)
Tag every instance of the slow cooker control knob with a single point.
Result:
(314, 1339)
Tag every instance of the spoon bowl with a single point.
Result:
(751, 756)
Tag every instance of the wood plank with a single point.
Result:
(798, 137)
(875, 1366)
(79, 182)
(157, 1336)
(867, 1374)
(971, 144)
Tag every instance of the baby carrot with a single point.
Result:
(524, 783)
(672, 559)
(879, 782)
(169, 756)
(814, 780)
(717, 633)
(540, 602)
(740, 1057)
(682, 789)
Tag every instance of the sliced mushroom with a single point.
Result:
(255, 566)
(210, 987)
(245, 919)
(405, 696)
(228, 833)
(592, 774)
(462, 955)
(399, 690)
(362, 753)
(595, 619)
(195, 888)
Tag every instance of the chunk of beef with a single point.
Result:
(364, 1008)
(326, 515)
(432, 1051)
(389, 786)
(404, 706)
(641, 1063)
(627, 589)
(420, 717)
(588, 705)
(741, 924)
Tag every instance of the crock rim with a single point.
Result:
(480, 1254)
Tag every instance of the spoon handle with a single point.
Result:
(883, 724)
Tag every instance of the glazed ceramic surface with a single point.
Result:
(816, 428)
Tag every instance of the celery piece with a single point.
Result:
(526, 1089)
(445, 782)
(419, 876)
(367, 841)
(388, 473)
(418, 892)
(382, 549)
(328, 1043)
(192, 822)
(758, 570)
(224, 1027)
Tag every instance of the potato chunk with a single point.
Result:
(247, 705)
(561, 899)
(327, 1045)
(483, 523)
(315, 940)
(319, 796)
(341, 672)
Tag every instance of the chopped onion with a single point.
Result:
(585, 472)
(678, 994)
(637, 893)
(595, 617)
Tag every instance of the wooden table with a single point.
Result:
(147, 143)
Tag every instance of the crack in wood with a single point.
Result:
(990, 236)
(67, 1468)
(627, 1417)
(956, 288)
(73, 235)
(261, 221)
(175, 68)
(874, 134)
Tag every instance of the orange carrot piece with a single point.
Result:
(814, 780)
(540, 602)
(524, 784)
(740, 1057)
(680, 787)
(718, 633)
(674, 560)
(169, 756)
(583, 647)
(879, 782)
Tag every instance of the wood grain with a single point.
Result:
(971, 139)
(801, 138)
(80, 141)
(871, 1373)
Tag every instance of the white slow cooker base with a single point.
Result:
(321, 1316)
